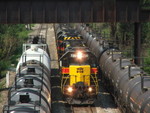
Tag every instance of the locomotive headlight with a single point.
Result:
(90, 89)
(70, 89)
(79, 55)
(12, 112)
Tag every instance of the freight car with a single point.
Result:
(31, 92)
(128, 82)
(78, 66)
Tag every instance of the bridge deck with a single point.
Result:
(65, 11)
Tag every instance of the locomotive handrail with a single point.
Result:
(96, 82)
(64, 80)
(63, 55)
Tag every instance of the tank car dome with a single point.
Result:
(34, 54)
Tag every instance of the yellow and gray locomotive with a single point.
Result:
(79, 83)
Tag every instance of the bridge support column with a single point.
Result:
(137, 43)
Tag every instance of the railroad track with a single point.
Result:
(39, 29)
(88, 109)
(42, 31)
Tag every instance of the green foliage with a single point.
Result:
(146, 33)
(147, 62)
(2, 84)
(127, 28)
(145, 4)
(12, 37)
(101, 28)
(145, 1)
(125, 37)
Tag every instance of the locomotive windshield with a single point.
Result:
(82, 58)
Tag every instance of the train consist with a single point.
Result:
(31, 92)
(78, 67)
(128, 82)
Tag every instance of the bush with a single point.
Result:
(4, 65)
(147, 62)
(12, 37)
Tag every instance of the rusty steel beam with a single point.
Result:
(66, 11)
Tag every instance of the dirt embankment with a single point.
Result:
(4, 90)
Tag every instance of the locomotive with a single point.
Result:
(64, 35)
(78, 65)
(31, 91)
(127, 82)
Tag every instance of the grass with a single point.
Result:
(147, 61)
(2, 84)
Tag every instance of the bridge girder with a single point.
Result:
(71, 11)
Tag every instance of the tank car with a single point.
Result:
(127, 82)
(31, 91)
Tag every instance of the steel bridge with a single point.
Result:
(70, 11)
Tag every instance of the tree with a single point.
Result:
(10, 40)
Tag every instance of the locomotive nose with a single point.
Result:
(80, 90)
(79, 85)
